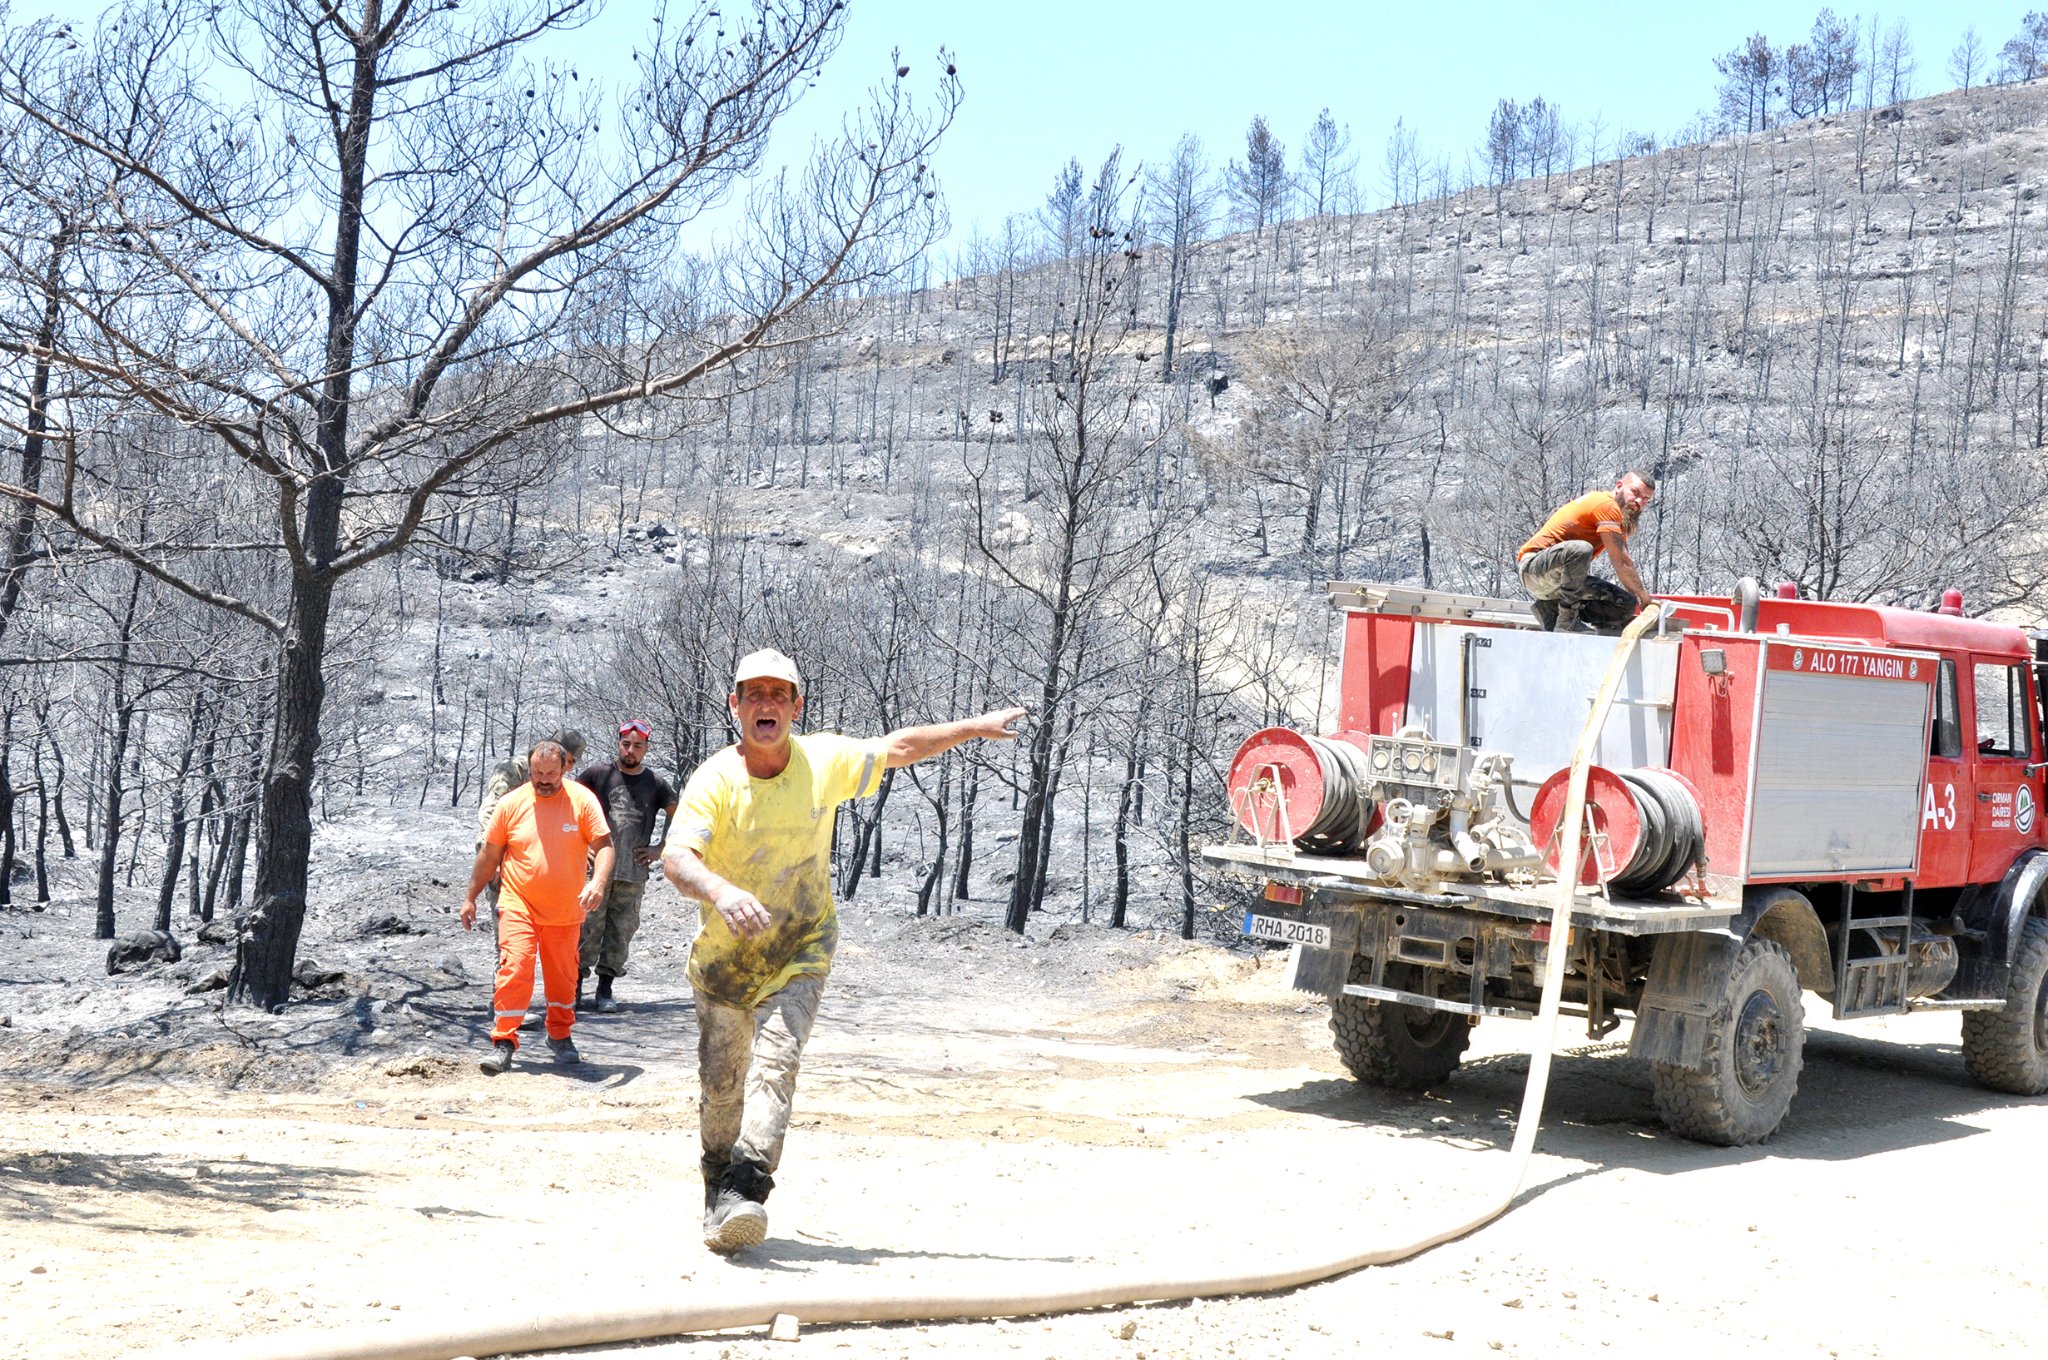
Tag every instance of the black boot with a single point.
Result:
(602, 1003)
(733, 1216)
(1568, 620)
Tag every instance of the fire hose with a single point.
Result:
(632, 1320)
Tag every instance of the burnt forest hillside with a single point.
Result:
(1110, 483)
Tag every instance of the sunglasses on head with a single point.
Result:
(636, 729)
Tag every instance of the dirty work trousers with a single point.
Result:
(747, 1062)
(1562, 575)
(608, 931)
(519, 941)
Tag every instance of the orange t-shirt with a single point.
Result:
(1581, 520)
(547, 844)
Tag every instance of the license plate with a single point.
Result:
(1286, 932)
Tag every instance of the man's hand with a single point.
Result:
(645, 856)
(592, 896)
(997, 725)
(742, 912)
(468, 913)
(908, 745)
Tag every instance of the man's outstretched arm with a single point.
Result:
(908, 745)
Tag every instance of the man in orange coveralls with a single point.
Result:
(1556, 564)
(542, 835)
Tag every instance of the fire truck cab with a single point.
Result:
(1789, 796)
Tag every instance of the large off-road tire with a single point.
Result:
(1405, 1048)
(2007, 1049)
(1756, 1042)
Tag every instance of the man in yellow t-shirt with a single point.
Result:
(1556, 564)
(752, 843)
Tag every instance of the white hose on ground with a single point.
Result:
(632, 1320)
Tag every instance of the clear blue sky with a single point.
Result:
(1058, 78)
(1049, 79)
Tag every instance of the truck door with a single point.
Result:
(2007, 806)
(1948, 803)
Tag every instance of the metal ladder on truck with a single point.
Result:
(1875, 984)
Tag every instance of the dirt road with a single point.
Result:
(959, 1122)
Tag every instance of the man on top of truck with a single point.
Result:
(1556, 564)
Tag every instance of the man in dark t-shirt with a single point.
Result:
(632, 796)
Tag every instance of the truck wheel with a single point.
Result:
(1404, 1048)
(1755, 1042)
(2007, 1050)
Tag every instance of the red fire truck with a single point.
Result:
(1789, 796)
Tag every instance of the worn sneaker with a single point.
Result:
(564, 1050)
(734, 1223)
(499, 1059)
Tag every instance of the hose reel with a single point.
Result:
(1313, 792)
(1646, 825)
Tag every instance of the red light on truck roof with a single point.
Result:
(1951, 603)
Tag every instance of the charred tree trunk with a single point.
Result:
(867, 844)
(238, 857)
(212, 797)
(226, 820)
(117, 753)
(42, 836)
(875, 840)
(217, 868)
(969, 794)
(1030, 836)
(928, 887)
(269, 942)
(1048, 806)
(110, 819)
(8, 798)
(57, 803)
(180, 830)
(1028, 887)
(35, 440)
(1126, 809)
(511, 530)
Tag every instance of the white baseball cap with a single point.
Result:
(766, 664)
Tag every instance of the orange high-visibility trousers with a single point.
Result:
(519, 940)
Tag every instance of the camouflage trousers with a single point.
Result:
(1561, 575)
(608, 930)
(747, 1062)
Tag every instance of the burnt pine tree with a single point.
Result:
(397, 253)
(1258, 187)
(1327, 164)
(1181, 198)
(1083, 450)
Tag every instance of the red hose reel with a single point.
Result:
(1312, 792)
(1644, 827)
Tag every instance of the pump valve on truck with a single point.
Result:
(1789, 796)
